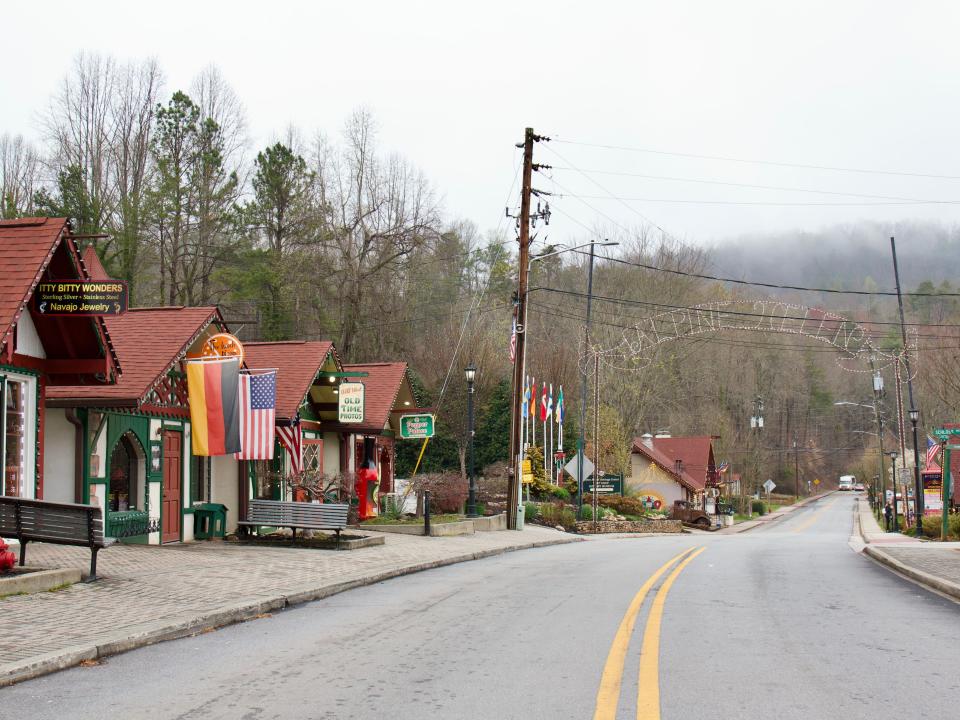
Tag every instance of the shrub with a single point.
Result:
(932, 525)
(560, 493)
(586, 512)
(530, 511)
(759, 507)
(448, 491)
(622, 505)
(557, 514)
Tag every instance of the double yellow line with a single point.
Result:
(648, 690)
(813, 518)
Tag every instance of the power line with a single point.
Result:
(722, 158)
(749, 186)
(766, 203)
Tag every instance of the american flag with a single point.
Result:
(258, 399)
(291, 437)
(513, 341)
(933, 449)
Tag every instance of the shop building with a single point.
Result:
(40, 352)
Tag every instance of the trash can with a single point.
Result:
(209, 521)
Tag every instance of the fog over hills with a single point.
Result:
(848, 257)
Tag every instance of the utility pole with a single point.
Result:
(914, 413)
(515, 478)
(583, 394)
(796, 467)
(596, 432)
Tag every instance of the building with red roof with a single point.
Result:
(665, 469)
(41, 351)
(134, 436)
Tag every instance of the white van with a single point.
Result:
(847, 482)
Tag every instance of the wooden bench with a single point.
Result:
(55, 523)
(303, 515)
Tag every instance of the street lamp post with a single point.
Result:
(893, 468)
(471, 373)
(917, 485)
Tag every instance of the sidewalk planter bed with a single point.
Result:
(630, 526)
(441, 529)
(23, 580)
(322, 542)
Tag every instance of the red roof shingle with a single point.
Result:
(149, 342)
(381, 387)
(297, 363)
(666, 463)
(26, 246)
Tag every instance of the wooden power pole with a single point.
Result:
(515, 478)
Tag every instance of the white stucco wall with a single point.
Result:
(331, 453)
(58, 457)
(224, 487)
(28, 341)
(154, 538)
(647, 478)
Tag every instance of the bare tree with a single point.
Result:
(19, 176)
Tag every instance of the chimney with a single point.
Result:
(647, 439)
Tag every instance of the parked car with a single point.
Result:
(858, 487)
(693, 516)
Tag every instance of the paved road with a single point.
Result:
(785, 621)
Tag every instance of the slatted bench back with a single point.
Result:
(62, 523)
(319, 516)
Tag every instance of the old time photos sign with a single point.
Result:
(350, 402)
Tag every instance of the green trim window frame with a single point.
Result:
(18, 407)
(199, 479)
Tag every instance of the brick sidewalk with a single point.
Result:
(935, 565)
(149, 593)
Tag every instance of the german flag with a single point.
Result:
(214, 390)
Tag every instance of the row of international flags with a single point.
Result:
(547, 408)
(233, 412)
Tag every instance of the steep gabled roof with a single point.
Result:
(150, 342)
(29, 251)
(695, 454)
(297, 362)
(382, 386)
(666, 463)
(26, 247)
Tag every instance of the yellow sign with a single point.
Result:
(816, 481)
(527, 468)
(527, 478)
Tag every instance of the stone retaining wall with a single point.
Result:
(630, 526)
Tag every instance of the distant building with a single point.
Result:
(664, 469)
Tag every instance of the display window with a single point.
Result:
(17, 448)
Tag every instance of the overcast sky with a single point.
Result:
(855, 84)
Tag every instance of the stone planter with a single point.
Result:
(630, 526)
(22, 580)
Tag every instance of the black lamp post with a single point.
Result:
(893, 467)
(917, 485)
(471, 372)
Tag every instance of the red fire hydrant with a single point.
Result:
(7, 558)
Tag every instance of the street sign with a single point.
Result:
(350, 402)
(945, 433)
(588, 468)
(527, 471)
(81, 298)
(768, 486)
(816, 481)
(416, 427)
(606, 485)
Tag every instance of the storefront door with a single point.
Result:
(170, 510)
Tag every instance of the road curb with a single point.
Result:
(931, 582)
(241, 612)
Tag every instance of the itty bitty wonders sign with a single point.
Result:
(81, 298)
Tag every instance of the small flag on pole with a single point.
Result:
(543, 404)
(550, 403)
(513, 341)
(533, 398)
(291, 437)
(560, 407)
(525, 405)
(258, 398)
(933, 449)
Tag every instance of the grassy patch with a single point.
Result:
(58, 588)
(738, 518)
